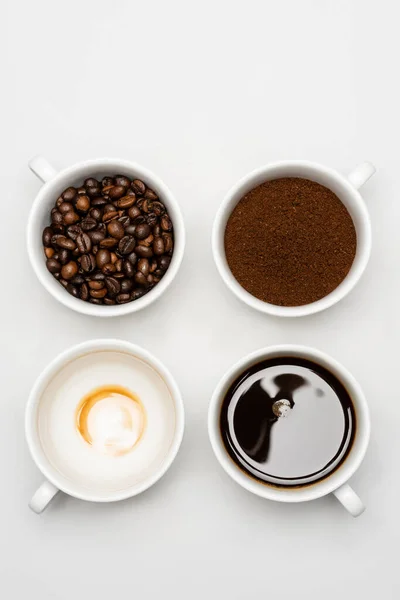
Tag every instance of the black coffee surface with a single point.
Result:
(287, 422)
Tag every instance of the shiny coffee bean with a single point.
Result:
(122, 180)
(46, 236)
(98, 201)
(108, 301)
(158, 208)
(109, 269)
(84, 291)
(134, 212)
(126, 201)
(119, 265)
(116, 230)
(132, 257)
(122, 298)
(150, 194)
(69, 194)
(151, 219)
(158, 246)
(164, 262)
(130, 230)
(142, 231)
(96, 285)
(103, 257)
(113, 286)
(143, 266)
(96, 213)
(128, 269)
(165, 223)
(84, 243)
(124, 220)
(98, 293)
(70, 217)
(97, 236)
(88, 262)
(126, 286)
(108, 242)
(140, 279)
(63, 256)
(107, 181)
(117, 191)
(53, 265)
(109, 216)
(144, 251)
(126, 244)
(69, 270)
(66, 243)
(96, 301)
(65, 207)
(49, 252)
(88, 223)
(73, 231)
(73, 290)
(138, 187)
(82, 203)
(57, 218)
(78, 280)
(168, 243)
(147, 241)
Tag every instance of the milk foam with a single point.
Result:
(106, 420)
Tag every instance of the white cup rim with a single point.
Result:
(231, 199)
(320, 488)
(48, 373)
(38, 262)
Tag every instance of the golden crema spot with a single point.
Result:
(111, 419)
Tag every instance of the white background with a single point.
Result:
(201, 93)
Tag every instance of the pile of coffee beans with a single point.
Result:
(109, 241)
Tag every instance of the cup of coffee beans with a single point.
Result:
(294, 237)
(105, 237)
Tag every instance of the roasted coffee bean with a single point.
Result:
(158, 246)
(109, 216)
(98, 201)
(144, 251)
(81, 190)
(113, 286)
(108, 242)
(126, 202)
(49, 252)
(108, 301)
(98, 276)
(70, 218)
(96, 213)
(109, 269)
(147, 206)
(97, 236)
(103, 257)
(67, 243)
(96, 285)
(84, 291)
(98, 293)
(124, 220)
(143, 266)
(126, 244)
(153, 265)
(88, 223)
(119, 275)
(157, 230)
(73, 231)
(76, 253)
(116, 230)
(91, 182)
(73, 290)
(46, 236)
(57, 218)
(151, 219)
(55, 237)
(122, 180)
(78, 280)
(134, 212)
(140, 279)
(96, 301)
(150, 278)
(130, 230)
(63, 282)
(109, 207)
(132, 257)
(150, 194)
(63, 256)
(119, 265)
(88, 262)
(107, 181)
(138, 187)
(65, 207)
(159, 273)
(126, 286)
(84, 243)
(147, 241)
(69, 194)
(136, 294)
(128, 268)
(69, 270)
(122, 298)
(117, 191)
(158, 208)
(142, 231)
(165, 223)
(164, 262)
(168, 243)
(53, 265)
(114, 257)
(82, 203)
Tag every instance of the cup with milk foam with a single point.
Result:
(104, 422)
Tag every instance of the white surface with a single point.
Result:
(201, 93)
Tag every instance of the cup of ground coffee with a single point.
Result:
(294, 237)
(290, 424)
(139, 228)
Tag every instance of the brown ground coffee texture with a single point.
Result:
(290, 241)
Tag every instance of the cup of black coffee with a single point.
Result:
(289, 423)
(105, 237)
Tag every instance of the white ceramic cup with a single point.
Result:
(55, 481)
(54, 183)
(336, 482)
(346, 188)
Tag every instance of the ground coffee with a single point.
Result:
(290, 241)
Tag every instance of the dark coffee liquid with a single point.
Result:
(288, 422)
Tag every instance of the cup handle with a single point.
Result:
(361, 174)
(42, 168)
(43, 496)
(347, 496)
